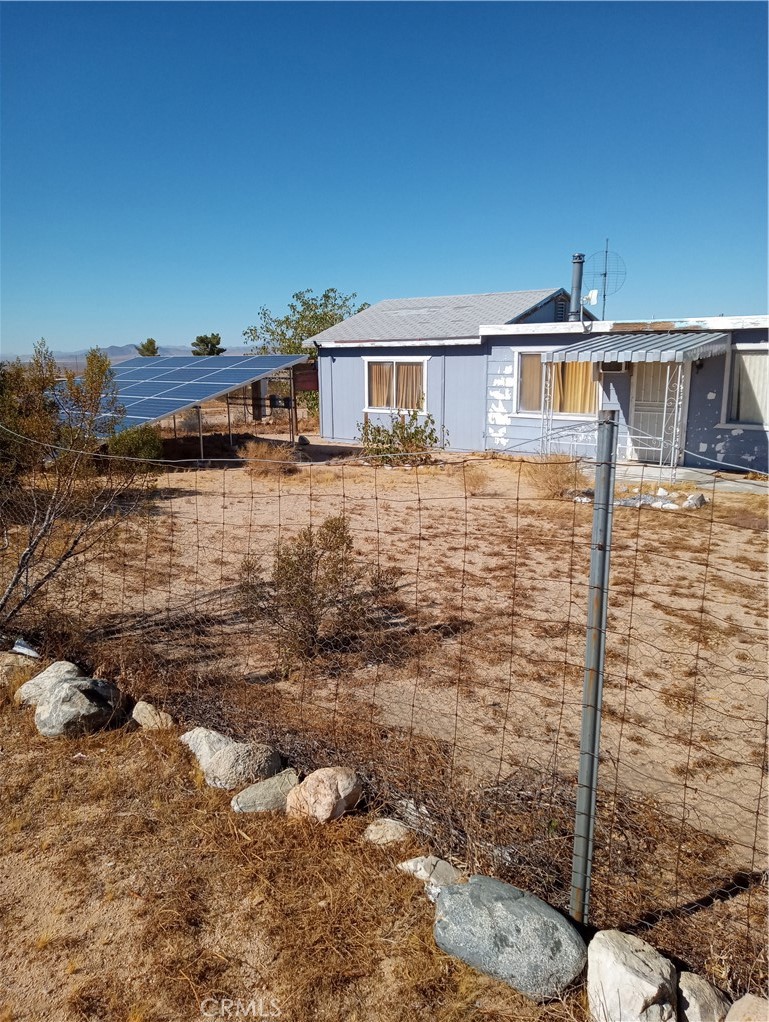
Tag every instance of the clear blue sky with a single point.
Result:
(168, 168)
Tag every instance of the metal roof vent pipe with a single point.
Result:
(577, 266)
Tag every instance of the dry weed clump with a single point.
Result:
(551, 475)
(266, 458)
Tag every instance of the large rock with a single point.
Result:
(229, 764)
(386, 832)
(266, 796)
(43, 684)
(628, 980)
(325, 794)
(14, 668)
(510, 935)
(699, 1001)
(695, 501)
(77, 706)
(749, 1009)
(150, 717)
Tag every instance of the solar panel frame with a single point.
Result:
(153, 392)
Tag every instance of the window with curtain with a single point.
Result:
(396, 385)
(749, 388)
(573, 386)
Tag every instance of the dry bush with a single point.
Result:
(268, 459)
(551, 475)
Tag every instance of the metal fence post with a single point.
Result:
(592, 693)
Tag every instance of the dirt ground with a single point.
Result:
(485, 653)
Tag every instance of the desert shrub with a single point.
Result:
(265, 459)
(317, 590)
(141, 442)
(406, 439)
(552, 475)
(188, 420)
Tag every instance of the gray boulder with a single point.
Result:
(266, 796)
(229, 764)
(510, 935)
(78, 706)
(700, 1001)
(628, 980)
(43, 684)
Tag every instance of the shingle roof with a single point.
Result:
(445, 316)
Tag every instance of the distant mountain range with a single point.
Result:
(121, 352)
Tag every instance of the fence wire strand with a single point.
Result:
(425, 624)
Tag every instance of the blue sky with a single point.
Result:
(168, 168)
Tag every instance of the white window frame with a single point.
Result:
(518, 413)
(725, 422)
(424, 359)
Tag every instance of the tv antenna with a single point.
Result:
(605, 273)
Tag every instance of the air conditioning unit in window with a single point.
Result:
(610, 369)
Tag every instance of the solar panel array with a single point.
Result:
(155, 387)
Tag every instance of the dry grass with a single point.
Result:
(265, 458)
(176, 899)
(552, 475)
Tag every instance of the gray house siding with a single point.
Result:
(709, 443)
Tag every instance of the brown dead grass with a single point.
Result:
(552, 475)
(264, 458)
(131, 892)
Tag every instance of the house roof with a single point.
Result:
(646, 346)
(446, 317)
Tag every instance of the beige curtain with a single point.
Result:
(749, 397)
(530, 384)
(410, 389)
(574, 390)
(380, 384)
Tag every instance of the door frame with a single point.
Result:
(686, 369)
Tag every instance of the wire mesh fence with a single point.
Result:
(425, 623)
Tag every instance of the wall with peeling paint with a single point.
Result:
(708, 442)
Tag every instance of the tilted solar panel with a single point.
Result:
(156, 387)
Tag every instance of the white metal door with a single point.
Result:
(650, 424)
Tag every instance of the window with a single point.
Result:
(749, 387)
(396, 385)
(573, 387)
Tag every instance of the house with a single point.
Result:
(509, 372)
(420, 353)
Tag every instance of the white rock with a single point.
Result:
(14, 667)
(670, 506)
(657, 504)
(325, 794)
(77, 706)
(695, 501)
(229, 764)
(662, 492)
(432, 870)
(628, 980)
(386, 832)
(150, 717)
(749, 1009)
(43, 684)
(266, 796)
(700, 1001)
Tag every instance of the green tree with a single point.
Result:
(148, 347)
(58, 496)
(208, 344)
(307, 315)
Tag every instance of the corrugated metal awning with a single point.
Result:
(648, 346)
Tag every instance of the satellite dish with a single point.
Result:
(605, 274)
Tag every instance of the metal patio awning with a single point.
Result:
(647, 346)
